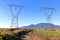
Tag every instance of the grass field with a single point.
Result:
(34, 33)
(47, 32)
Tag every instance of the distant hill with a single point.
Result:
(41, 25)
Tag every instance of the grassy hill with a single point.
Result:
(29, 34)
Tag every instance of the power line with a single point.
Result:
(48, 13)
(14, 22)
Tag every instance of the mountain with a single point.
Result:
(42, 25)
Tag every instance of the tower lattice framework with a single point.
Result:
(48, 13)
(15, 12)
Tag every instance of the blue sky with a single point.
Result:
(32, 15)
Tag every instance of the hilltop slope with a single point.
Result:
(41, 25)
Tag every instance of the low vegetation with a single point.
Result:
(29, 34)
(47, 32)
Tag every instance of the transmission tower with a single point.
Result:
(15, 11)
(48, 13)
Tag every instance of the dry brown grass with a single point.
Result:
(34, 35)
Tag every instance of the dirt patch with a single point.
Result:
(34, 36)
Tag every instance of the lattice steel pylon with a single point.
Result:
(48, 13)
(15, 11)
